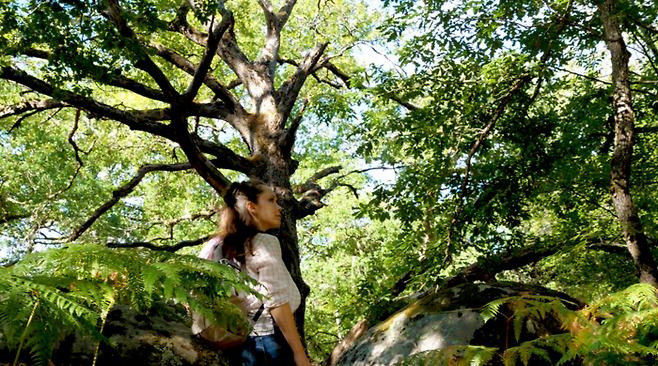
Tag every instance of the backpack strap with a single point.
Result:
(230, 263)
(237, 266)
(259, 312)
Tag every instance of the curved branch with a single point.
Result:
(166, 248)
(485, 132)
(31, 106)
(124, 191)
(130, 119)
(9, 264)
(170, 224)
(117, 81)
(311, 199)
(311, 183)
(69, 138)
(345, 78)
(290, 89)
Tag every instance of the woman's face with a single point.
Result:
(266, 211)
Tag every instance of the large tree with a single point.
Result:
(177, 74)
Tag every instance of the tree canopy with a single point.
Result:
(522, 136)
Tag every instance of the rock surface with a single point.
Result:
(449, 318)
(162, 338)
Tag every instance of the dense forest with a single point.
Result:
(413, 146)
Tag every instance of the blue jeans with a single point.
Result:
(264, 350)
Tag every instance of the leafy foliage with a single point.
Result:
(621, 329)
(73, 288)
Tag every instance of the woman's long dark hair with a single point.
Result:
(236, 224)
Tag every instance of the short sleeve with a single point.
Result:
(272, 273)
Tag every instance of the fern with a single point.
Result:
(620, 329)
(76, 286)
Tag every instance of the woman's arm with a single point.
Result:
(284, 319)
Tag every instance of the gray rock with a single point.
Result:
(449, 318)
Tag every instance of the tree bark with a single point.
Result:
(620, 165)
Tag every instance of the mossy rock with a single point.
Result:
(162, 337)
(452, 318)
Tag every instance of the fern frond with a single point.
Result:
(491, 309)
(77, 284)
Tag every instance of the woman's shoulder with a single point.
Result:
(262, 240)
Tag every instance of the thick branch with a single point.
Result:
(311, 183)
(166, 248)
(272, 38)
(290, 134)
(117, 81)
(339, 73)
(290, 89)
(7, 218)
(33, 106)
(226, 158)
(256, 82)
(71, 99)
(206, 169)
(201, 72)
(486, 269)
(231, 111)
(136, 120)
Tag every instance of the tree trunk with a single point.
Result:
(278, 172)
(620, 172)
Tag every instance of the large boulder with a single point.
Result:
(449, 318)
(160, 338)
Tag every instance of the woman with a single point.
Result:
(251, 209)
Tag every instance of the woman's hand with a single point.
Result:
(286, 322)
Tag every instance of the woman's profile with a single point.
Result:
(251, 209)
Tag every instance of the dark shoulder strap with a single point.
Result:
(230, 263)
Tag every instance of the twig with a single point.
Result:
(17, 124)
(77, 157)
